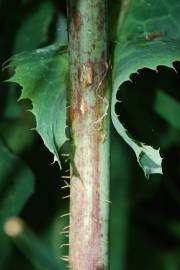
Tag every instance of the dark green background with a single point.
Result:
(145, 215)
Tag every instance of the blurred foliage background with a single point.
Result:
(145, 220)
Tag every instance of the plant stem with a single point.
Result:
(89, 118)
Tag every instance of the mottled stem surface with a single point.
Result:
(89, 118)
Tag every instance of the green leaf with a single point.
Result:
(168, 108)
(34, 29)
(148, 37)
(32, 32)
(43, 76)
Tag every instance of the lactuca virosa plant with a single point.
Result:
(73, 86)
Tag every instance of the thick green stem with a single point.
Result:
(89, 117)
